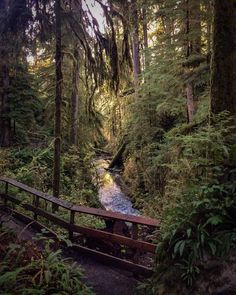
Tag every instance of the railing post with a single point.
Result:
(135, 231)
(135, 237)
(36, 204)
(6, 193)
(72, 221)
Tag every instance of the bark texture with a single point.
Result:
(58, 99)
(145, 37)
(5, 121)
(135, 43)
(193, 33)
(75, 100)
(223, 82)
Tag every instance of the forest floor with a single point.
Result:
(103, 279)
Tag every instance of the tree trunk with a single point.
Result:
(193, 35)
(145, 37)
(5, 121)
(145, 28)
(195, 26)
(117, 159)
(223, 79)
(58, 99)
(135, 43)
(75, 100)
(209, 39)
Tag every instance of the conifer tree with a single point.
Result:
(14, 20)
(135, 42)
(223, 86)
(193, 51)
(58, 101)
(75, 98)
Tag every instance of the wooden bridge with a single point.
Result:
(39, 205)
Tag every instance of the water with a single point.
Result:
(110, 193)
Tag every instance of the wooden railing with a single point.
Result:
(132, 241)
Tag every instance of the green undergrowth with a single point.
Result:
(194, 167)
(25, 269)
(195, 233)
(34, 167)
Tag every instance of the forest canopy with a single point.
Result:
(151, 83)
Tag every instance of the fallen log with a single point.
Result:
(117, 159)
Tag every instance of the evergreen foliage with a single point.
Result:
(25, 106)
(139, 83)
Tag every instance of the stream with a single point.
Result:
(110, 193)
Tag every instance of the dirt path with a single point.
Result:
(104, 280)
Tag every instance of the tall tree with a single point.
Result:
(75, 98)
(223, 86)
(135, 42)
(145, 35)
(193, 50)
(58, 100)
(14, 20)
(5, 121)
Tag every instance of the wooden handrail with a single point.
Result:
(82, 209)
(115, 237)
(90, 232)
(35, 192)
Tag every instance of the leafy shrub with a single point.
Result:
(198, 204)
(34, 167)
(188, 156)
(27, 270)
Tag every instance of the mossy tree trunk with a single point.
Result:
(145, 37)
(75, 99)
(58, 100)
(135, 43)
(193, 48)
(223, 79)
